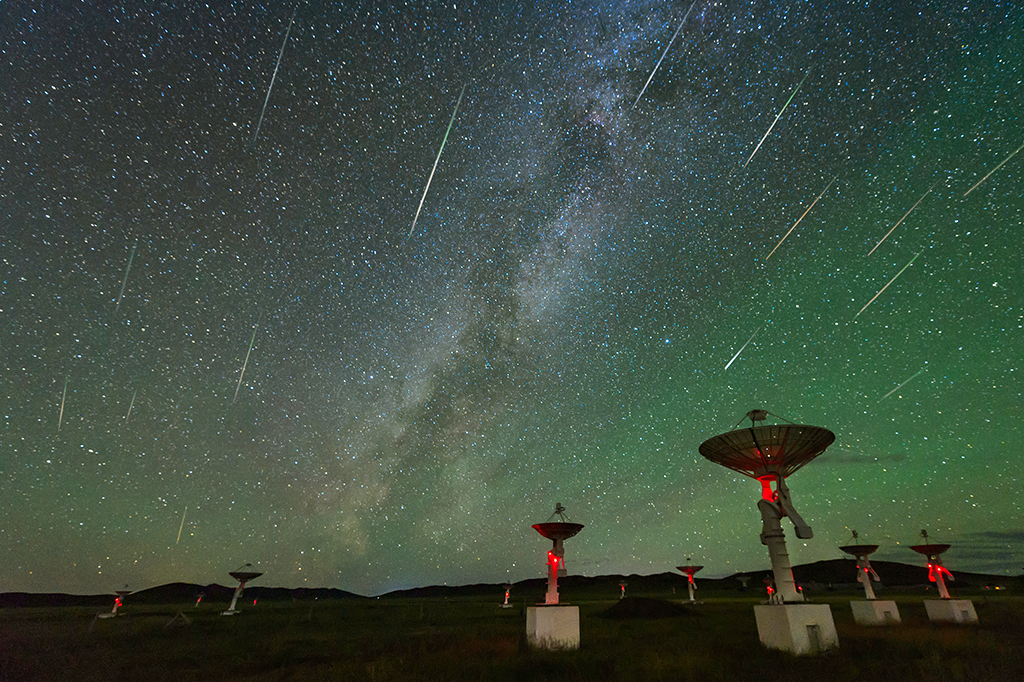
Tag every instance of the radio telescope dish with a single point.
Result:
(557, 532)
(865, 573)
(858, 549)
(118, 603)
(770, 453)
(937, 573)
(689, 570)
(243, 575)
(776, 450)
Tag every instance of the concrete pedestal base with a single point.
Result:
(553, 627)
(951, 611)
(875, 612)
(800, 629)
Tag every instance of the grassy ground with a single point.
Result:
(472, 639)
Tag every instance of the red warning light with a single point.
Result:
(938, 570)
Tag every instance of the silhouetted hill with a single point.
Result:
(840, 574)
(892, 573)
(831, 574)
(38, 599)
(175, 593)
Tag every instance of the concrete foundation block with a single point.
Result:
(553, 627)
(875, 612)
(801, 629)
(951, 611)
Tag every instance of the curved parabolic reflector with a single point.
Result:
(859, 550)
(556, 530)
(776, 450)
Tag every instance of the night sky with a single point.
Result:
(233, 333)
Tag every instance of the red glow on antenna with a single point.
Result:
(552, 559)
(766, 488)
(937, 570)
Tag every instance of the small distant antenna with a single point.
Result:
(118, 603)
(689, 569)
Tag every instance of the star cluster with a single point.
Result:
(223, 345)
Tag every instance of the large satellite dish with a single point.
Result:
(769, 450)
(770, 453)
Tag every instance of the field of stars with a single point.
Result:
(358, 293)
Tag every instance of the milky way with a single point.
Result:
(556, 329)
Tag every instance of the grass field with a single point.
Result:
(473, 639)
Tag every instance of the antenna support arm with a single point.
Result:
(785, 502)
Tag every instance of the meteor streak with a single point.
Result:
(778, 117)
(674, 36)
(431, 178)
(742, 347)
(183, 523)
(899, 387)
(903, 218)
(64, 395)
(130, 407)
(887, 286)
(274, 76)
(802, 217)
(995, 169)
(242, 375)
(125, 280)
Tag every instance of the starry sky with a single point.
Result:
(223, 340)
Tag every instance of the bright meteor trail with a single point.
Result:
(132, 403)
(778, 117)
(900, 386)
(64, 395)
(887, 286)
(802, 217)
(427, 188)
(125, 279)
(903, 218)
(995, 169)
(274, 76)
(183, 523)
(242, 375)
(742, 347)
(655, 70)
